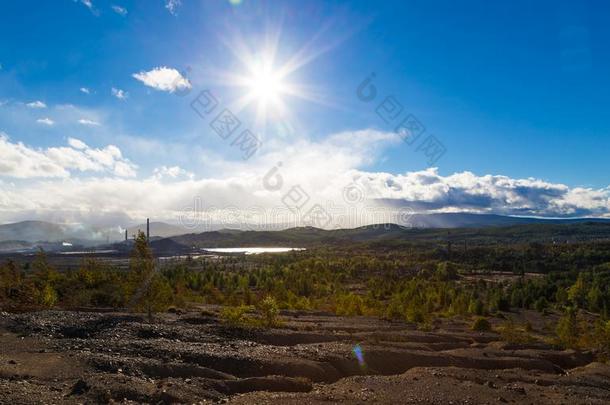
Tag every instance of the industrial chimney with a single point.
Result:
(125, 235)
(147, 229)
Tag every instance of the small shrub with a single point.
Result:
(394, 310)
(481, 324)
(205, 312)
(415, 315)
(350, 305)
(426, 327)
(476, 307)
(511, 333)
(446, 271)
(235, 316)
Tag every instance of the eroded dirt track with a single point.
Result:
(82, 357)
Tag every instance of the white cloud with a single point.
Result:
(77, 143)
(37, 104)
(164, 79)
(46, 121)
(91, 123)
(124, 169)
(119, 10)
(172, 6)
(85, 90)
(118, 93)
(428, 191)
(89, 5)
(20, 161)
(219, 200)
(172, 172)
(241, 193)
(319, 167)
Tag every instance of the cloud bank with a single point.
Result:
(331, 172)
(428, 191)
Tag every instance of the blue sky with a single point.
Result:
(510, 88)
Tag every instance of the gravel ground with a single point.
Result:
(87, 357)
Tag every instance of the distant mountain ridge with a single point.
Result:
(30, 231)
(523, 230)
(31, 235)
(161, 229)
(40, 231)
(468, 220)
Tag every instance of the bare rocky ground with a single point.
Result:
(87, 357)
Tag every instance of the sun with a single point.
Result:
(266, 85)
(268, 80)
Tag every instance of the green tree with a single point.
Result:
(10, 280)
(595, 298)
(270, 310)
(578, 292)
(48, 296)
(567, 329)
(45, 279)
(150, 290)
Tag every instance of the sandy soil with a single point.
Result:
(86, 357)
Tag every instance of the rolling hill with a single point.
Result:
(391, 234)
(160, 229)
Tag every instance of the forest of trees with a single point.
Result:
(413, 283)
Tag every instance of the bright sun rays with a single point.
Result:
(266, 86)
(266, 82)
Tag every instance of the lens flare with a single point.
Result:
(358, 353)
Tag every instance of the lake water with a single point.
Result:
(87, 252)
(253, 250)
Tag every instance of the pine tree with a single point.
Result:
(150, 290)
